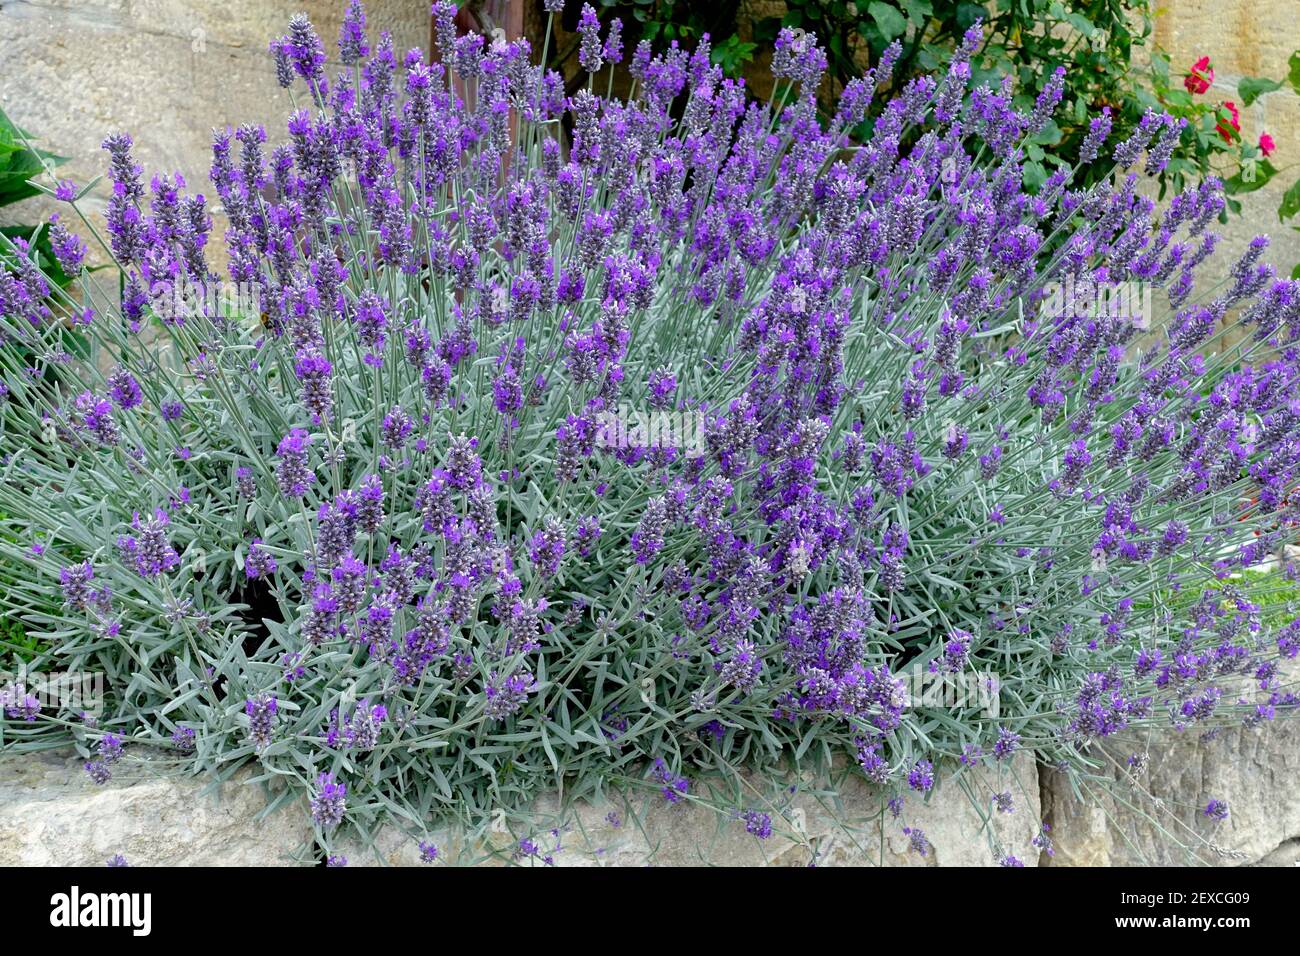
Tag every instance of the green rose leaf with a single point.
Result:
(1254, 174)
(888, 19)
(1252, 88)
(1290, 202)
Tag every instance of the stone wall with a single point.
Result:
(165, 71)
(52, 814)
(1154, 815)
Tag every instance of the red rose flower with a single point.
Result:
(1234, 118)
(1202, 75)
(1266, 144)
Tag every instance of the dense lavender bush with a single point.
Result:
(412, 531)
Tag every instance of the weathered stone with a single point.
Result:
(1157, 818)
(1288, 854)
(53, 814)
(165, 71)
(839, 829)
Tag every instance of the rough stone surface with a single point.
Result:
(165, 71)
(1256, 771)
(52, 814)
(841, 830)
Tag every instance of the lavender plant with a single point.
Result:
(406, 527)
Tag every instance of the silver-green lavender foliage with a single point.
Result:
(531, 437)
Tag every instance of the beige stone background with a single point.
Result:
(165, 71)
